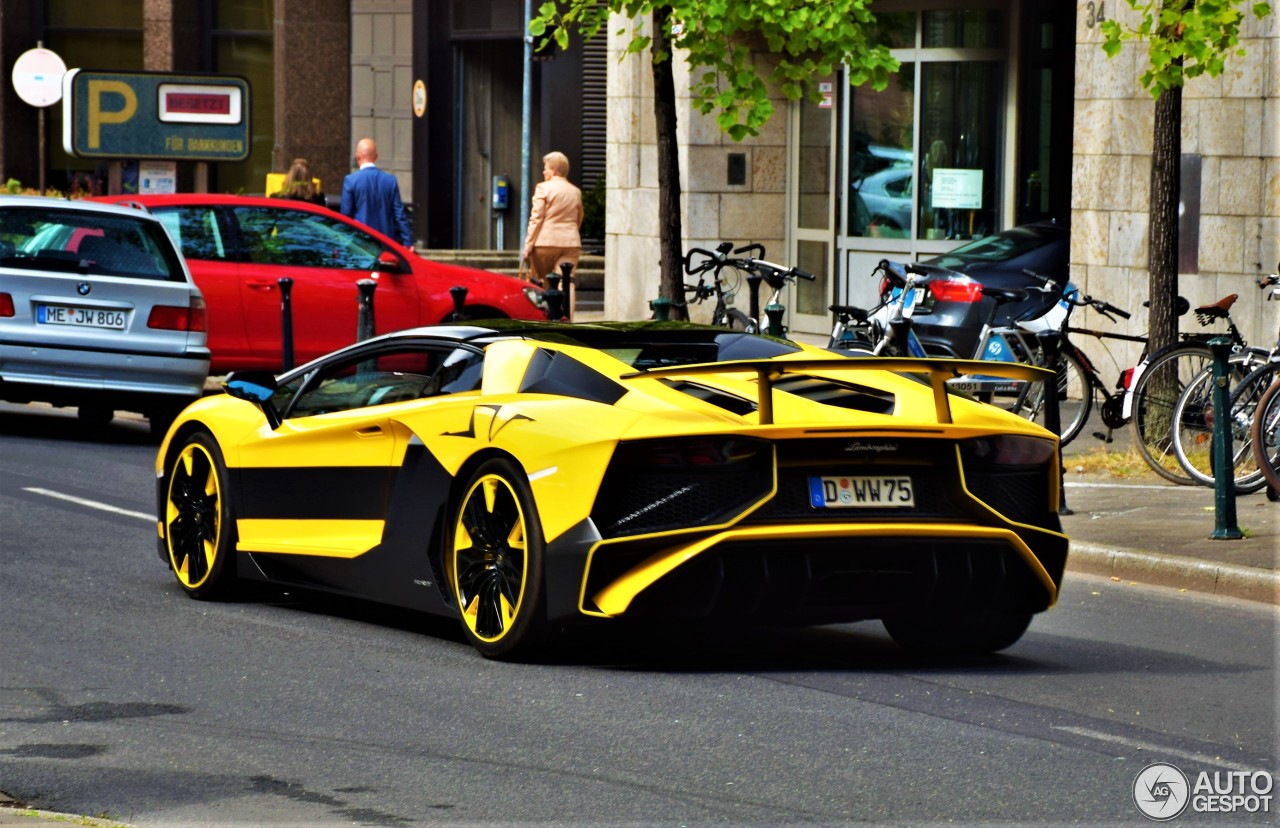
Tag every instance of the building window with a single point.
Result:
(923, 157)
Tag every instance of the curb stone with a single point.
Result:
(1222, 579)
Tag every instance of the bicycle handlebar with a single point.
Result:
(774, 273)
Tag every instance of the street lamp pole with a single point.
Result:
(526, 128)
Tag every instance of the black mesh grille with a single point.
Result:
(844, 580)
(1020, 495)
(639, 495)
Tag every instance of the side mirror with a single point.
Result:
(388, 262)
(256, 387)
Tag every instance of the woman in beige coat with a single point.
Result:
(554, 220)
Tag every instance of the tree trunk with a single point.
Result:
(670, 231)
(1162, 238)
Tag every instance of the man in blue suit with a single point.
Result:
(372, 196)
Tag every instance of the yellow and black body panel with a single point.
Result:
(679, 491)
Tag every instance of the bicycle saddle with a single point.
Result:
(1002, 295)
(857, 314)
(1219, 309)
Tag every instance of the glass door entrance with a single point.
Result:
(921, 164)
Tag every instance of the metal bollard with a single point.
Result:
(1224, 484)
(774, 326)
(566, 274)
(364, 316)
(554, 297)
(286, 323)
(1049, 346)
(459, 294)
(661, 308)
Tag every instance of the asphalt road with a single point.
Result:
(119, 696)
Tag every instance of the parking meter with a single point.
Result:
(501, 192)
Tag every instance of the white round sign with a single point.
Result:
(37, 77)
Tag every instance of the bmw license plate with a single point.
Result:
(865, 492)
(80, 317)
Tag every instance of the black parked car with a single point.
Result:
(951, 317)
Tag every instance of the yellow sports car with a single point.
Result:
(524, 477)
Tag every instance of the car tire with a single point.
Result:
(495, 562)
(972, 633)
(199, 528)
(162, 416)
(95, 417)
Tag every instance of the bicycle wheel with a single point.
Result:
(1154, 395)
(1194, 416)
(1075, 398)
(1265, 434)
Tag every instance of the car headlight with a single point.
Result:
(535, 298)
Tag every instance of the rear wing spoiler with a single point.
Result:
(937, 370)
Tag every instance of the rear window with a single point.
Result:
(998, 248)
(75, 241)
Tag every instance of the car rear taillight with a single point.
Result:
(954, 290)
(199, 315)
(6, 305)
(175, 318)
(1011, 450)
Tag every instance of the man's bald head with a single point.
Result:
(366, 151)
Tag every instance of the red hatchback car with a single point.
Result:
(238, 247)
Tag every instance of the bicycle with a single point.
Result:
(886, 330)
(1264, 428)
(1160, 379)
(1194, 415)
(723, 314)
(757, 270)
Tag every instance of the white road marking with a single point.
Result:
(1155, 751)
(92, 504)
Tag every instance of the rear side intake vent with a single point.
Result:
(730, 403)
(840, 394)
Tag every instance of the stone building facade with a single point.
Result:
(1231, 148)
(1230, 235)
(712, 209)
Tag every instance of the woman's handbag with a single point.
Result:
(527, 274)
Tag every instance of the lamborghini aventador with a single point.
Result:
(527, 477)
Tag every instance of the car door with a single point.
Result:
(325, 257)
(200, 231)
(340, 495)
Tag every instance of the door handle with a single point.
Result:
(369, 431)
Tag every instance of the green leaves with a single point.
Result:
(803, 40)
(1185, 38)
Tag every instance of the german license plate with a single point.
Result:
(861, 492)
(80, 317)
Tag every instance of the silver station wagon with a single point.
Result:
(97, 311)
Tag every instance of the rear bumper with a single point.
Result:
(70, 376)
